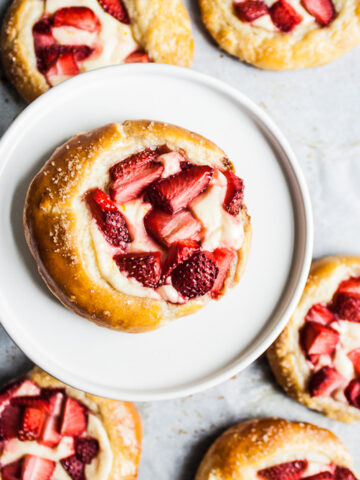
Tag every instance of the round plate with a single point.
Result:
(191, 353)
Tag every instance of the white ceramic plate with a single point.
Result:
(192, 353)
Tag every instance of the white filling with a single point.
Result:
(171, 162)
(349, 340)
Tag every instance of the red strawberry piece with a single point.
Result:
(325, 381)
(284, 16)
(74, 418)
(127, 167)
(184, 165)
(323, 10)
(12, 389)
(318, 339)
(42, 32)
(50, 436)
(10, 422)
(117, 9)
(234, 193)
(86, 448)
(137, 57)
(223, 258)
(65, 63)
(32, 424)
(320, 314)
(12, 471)
(55, 397)
(47, 57)
(178, 253)
(135, 177)
(110, 221)
(176, 191)
(79, 17)
(250, 10)
(354, 356)
(346, 307)
(320, 476)
(37, 468)
(74, 467)
(284, 471)
(145, 267)
(350, 287)
(342, 473)
(352, 393)
(196, 276)
(82, 52)
(167, 229)
(32, 402)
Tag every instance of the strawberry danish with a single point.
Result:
(135, 224)
(316, 359)
(283, 34)
(49, 431)
(44, 42)
(275, 449)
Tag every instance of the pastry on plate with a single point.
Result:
(44, 42)
(276, 449)
(283, 34)
(50, 431)
(316, 359)
(137, 223)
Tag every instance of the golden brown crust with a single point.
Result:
(52, 226)
(285, 356)
(163, 30)
(121, 421)
(279, 51)
(250, 446)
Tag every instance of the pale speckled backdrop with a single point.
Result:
(318, 110)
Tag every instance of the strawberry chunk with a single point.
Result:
(73, 467)
(346, 307)
(318, 339)
(167, 229)
(12, 471)
(81, 52)
(323, 11)
(32, 402)
(196, 276)
(320, 314)
(117, 9)
(176, 191)
(108, 218)
(320, 476)
(37, 468)
(32, 424)
(352, 393)
(350, 286)
(234, 193)
(343, 473)
(86, 448)
(42, 32)
(145, 267)
(137, 57)
(284, 16)
(65, 64)
(19, 387)
(74, 418)
(10, 420)
(178, 253)
(55, 397)
(284, 471)
(354, 356)
(250, 10)
(79, 17)
(223, 258)
(50, 436)
(325, 381)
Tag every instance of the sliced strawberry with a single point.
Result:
(350, 286)
(13, 389)
(167, 229)
(137, 57)
(12, 471)
(117, 9)
(178, 253)
(82, 52)
(43, 34)
(354, 356)
(223, 258)
(323, 10)
(284, 16)
(37, 468)
(50, 436)
(318, 339)
(10, 420)
(346, 307)
(176, 191)
(145, 267)
(55, 397)
(352, 393)
(74, 418)
(32, 424)
(320, 476)
(86, 448)
(319, 313)
(250, 10)
(79, 17)
(65, 64)
(110, 221)
(342, 473)
(73, 467)
(234, 193)
(325, 381)
(32, 402)
(284, 471)
(47, 57)
(196, 276)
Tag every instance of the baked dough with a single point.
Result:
(64, 241)
(121, 426)
(286, 357)
(262, 44)
(247, 448)
(161, 28)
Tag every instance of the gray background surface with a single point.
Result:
(318, 110)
